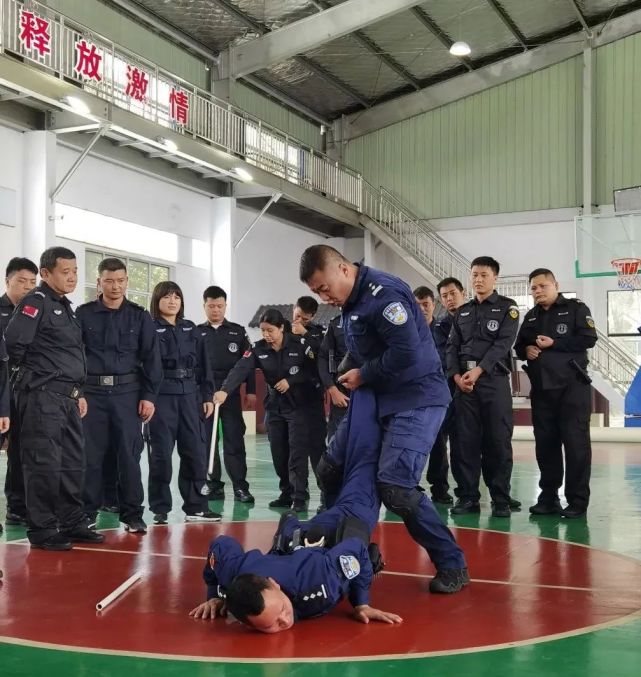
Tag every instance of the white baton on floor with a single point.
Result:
(214, 437)
(103, 603)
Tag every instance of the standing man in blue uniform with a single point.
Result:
(226, 342)
(331, 353)
(554, 339)
(183, 405)
(479, 360)
(387, 336)
(124, 376)
(271, 592)
(20, 280)
(44, 341)
(437, 465)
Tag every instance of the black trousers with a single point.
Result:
(110, 479)
(14, 481)
(112, 423)
(234, 453)
(178, 421)
(484, 424)
(317, 427)
(53, 462)
(288, 434)
(561, 419)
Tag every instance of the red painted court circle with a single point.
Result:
(524, 589)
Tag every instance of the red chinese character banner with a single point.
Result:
(34, 33)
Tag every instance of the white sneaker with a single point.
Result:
(203, 517)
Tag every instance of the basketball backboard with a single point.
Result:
(600, 239)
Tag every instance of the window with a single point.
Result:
(143, 276)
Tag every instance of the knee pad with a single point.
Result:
(404, 502)
(352, 527)
(329, 475)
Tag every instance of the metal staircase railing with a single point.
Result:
(614, 363)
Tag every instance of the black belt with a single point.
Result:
(110, 380)
(178, 373)
(65, 388)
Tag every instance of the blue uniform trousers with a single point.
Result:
(112, 422)
(407, 437)
(177, 421)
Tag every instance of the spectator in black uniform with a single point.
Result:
(125, 372)
(226, 342)
(44, 341)
(289, 366)
(20, 280)
(554, 339)
(183, 404)
(437, 465)
(479, 361)
(302, 325)
(331, 353)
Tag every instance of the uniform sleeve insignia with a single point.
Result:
(395, 313)
(350, 565)
(309, 352)
(30, 311)
(514, 312)
(590, 322)
(247, 353)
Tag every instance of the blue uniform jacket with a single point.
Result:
(386, 334)
(119, 342)
(440, 329)
(183, 348)
(315, 579)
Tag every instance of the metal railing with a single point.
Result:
(613, 363)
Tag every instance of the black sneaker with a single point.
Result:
(544, 508)
(243, 496)
(83, 534)
(281, 502)
(321, 508)
(572, 512)
(299, 506)
(501, 510)
(160, 518)
(515, 505)
(91, 520)
(449, 581)
(136, 525)
(114, 509)
(205, 516)
(465, 506)
(54, 543)
(15, 520)
(442, 499)
(280, 544)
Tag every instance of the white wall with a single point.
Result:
(11, 159)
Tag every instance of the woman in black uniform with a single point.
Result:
(288, 364)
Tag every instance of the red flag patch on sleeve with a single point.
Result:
(247, 353)
(30, 311)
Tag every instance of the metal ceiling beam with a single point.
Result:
(310, 65)
(509, 22)
(378, 51)
(581, 17)
(308, 33)
(439, 33)
(554, 52)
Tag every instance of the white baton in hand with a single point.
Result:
(214, 437)
(103, 603)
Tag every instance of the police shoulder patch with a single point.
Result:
(30, 311)
(589, 321)
(395, 313)
(350, 566)
(513, 312)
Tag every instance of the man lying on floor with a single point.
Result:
(299, 579)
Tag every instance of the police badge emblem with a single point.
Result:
(294, 370)
(233, 347)
(493, 325)
(395, 313)
(561, 329)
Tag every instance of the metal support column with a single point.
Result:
(588, 128)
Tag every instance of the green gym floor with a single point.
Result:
(537, 604)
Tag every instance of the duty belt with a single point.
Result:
(110, 380)
(178, 373)
(65, 388)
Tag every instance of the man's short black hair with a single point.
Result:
(308, 305)
(245, 596)
(447, 282)
(541, 271)
(19, 263)
(111, 265)
(214, 292)
(51, 255)
(316, 258)
(423, 292)
(487, 261)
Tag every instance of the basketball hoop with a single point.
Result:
(628, 272)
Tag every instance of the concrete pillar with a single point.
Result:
(38, 181)
(369, 242)
(223, 255)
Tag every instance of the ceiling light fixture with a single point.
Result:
(169, 145)
(460, 48)
(243, 174)
(78, 105)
